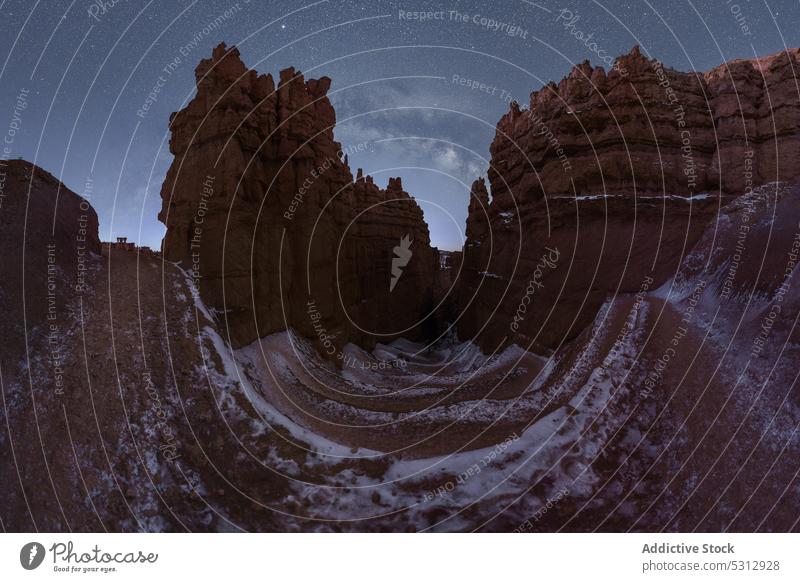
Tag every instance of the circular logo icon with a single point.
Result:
(31, 555)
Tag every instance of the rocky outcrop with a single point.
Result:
(616, 174)
(111, 383)
(260, 204)
(646, 128)
(49, 237)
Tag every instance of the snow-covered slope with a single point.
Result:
(676, 409)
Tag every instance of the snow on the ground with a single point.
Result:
(555, 445)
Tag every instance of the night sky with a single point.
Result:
(397, 80)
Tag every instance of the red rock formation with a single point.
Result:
(649, 138)
(261, 205)
(51, 252)
(445, 282)
(49, 236)
(652, 130)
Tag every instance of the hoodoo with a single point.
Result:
(261, 206)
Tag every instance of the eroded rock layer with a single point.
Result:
(649, 129)
(616, 174)
(260, 204)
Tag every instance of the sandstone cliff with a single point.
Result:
(125, 410)
(616, 174)
(260, 204)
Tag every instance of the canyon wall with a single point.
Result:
(50, 236)
(261, 206)
(606, 181)
(51, 249)
(646, 128)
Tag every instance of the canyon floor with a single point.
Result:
(165, 427)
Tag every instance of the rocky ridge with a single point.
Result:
(261, 204)
(618, 173)
(159, 425)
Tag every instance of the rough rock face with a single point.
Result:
(649, 129)
(49, 235)
(615, 174)
(261, 205)
(445, 282)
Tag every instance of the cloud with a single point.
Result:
(449, 160)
